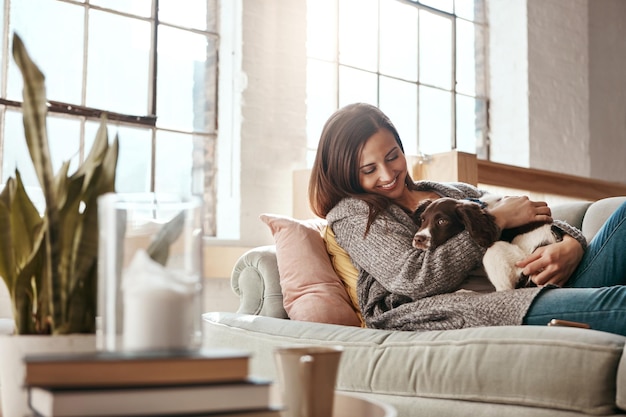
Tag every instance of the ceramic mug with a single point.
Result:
(307, 377)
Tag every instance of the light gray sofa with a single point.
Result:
(491, 371)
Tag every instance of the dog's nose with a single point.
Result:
(421, 241)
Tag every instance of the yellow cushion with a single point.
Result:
(344, 267)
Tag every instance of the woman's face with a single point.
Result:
(382, 166)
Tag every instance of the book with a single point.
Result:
(98, 369)
(176, 400)
(260, 412)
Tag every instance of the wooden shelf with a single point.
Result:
(463, 167)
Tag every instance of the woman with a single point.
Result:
(360, 184)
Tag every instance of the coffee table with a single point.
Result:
(348, 405)
(352, 405)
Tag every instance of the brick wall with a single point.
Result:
(273, 131)
(557, 84)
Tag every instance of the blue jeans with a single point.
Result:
(596, 292)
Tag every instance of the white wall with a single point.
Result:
(568, 112)
(607, 89)
(508, 83)
(273, 132)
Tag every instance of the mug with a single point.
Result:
(307, 377)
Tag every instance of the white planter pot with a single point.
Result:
(12, 371)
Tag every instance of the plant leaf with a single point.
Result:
(159, 249)
(34, 110)
(20, 228)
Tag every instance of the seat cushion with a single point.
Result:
(536, 366)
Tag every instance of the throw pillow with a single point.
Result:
(343, 266)
(311, 289)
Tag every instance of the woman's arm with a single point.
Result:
(512, 212)
(387, 255)
(553, 264)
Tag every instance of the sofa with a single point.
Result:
(488, 371)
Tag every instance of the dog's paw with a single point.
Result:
(524, 281)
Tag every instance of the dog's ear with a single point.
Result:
(480, 224)
(417, 214)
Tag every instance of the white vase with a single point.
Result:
(12, 371)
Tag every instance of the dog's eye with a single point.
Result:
(441, 221)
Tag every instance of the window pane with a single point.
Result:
(118, 63)
(321, 97)
(192, 14)
(398, 40)
(2, 30)
(435, 116)
(64, 139)
(15, 153)
(445, 5)
(435, 43)
(470, 9)
(469, 71)
(358, 36)
(320, 42)
(64, 142)
(182, 76)
(173, 163)
(398, 100)
(357, 86)
(136, 7)
(52, 32)
(470, 125)
(133, 162)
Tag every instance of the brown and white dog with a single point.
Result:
(441, 219)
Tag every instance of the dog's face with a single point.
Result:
(438, 221)
(441, 219)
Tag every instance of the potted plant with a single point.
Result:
(49, 262)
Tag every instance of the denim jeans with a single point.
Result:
(596, 292)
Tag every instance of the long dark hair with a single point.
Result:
(335, 172)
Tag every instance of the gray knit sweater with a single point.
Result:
(403, 288)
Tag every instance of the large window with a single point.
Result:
(422, 63)
(150, 65)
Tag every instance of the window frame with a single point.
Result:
(204, 142)
(481, 96)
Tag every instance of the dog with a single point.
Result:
(439, 220)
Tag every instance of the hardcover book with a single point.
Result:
(180, 400)
(100, 369)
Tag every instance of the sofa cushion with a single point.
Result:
(311, 289)
(556, 368)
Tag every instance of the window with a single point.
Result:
(422, 63)
(150, 65)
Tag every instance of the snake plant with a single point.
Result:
(49, 261)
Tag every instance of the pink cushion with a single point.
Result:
(311, 289)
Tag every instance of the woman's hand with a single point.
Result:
(553, 264)
(517, 211)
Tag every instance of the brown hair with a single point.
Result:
(335, 173)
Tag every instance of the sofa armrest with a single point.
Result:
(597, 214)
(256, 281)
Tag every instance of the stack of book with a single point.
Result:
(208, 383)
